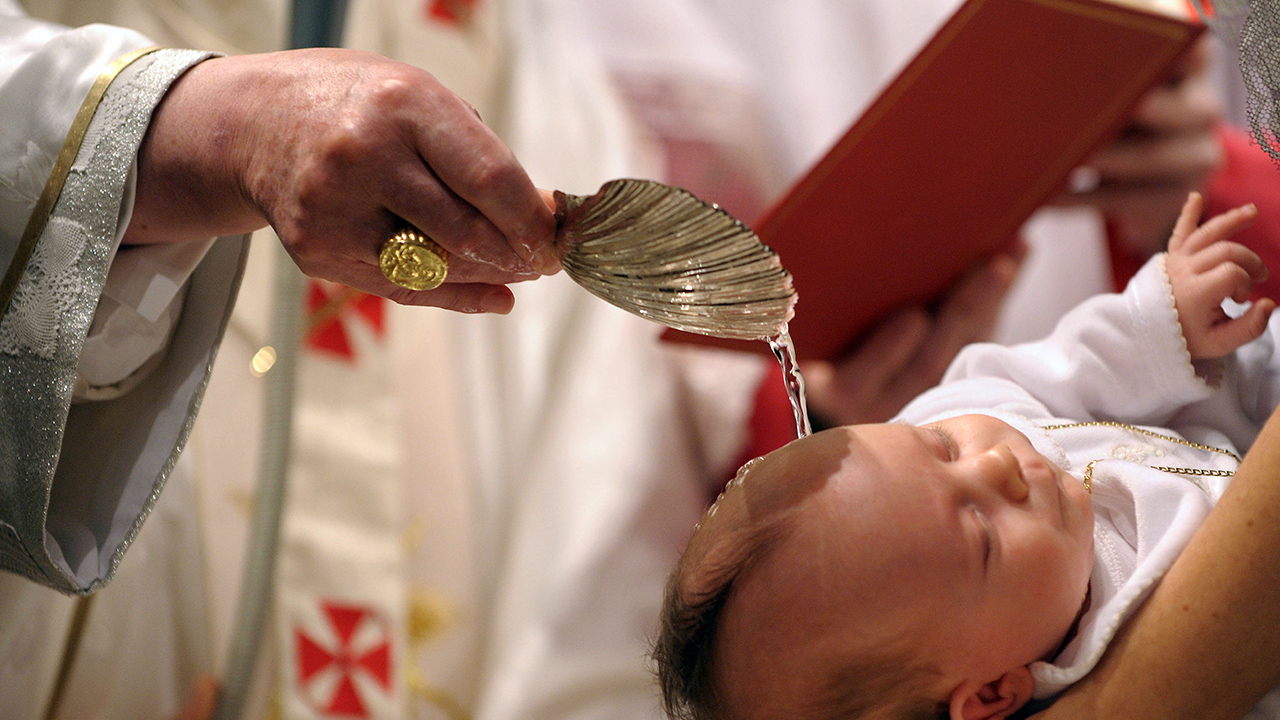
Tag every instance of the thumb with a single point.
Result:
(548, 198)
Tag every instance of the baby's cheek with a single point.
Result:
(1057, 561)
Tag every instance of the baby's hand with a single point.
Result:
(1204, 269)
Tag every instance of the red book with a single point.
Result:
(980, 129)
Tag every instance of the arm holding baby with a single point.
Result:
(1205, 645)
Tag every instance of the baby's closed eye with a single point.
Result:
(949, 449)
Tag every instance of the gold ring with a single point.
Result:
(412, 260)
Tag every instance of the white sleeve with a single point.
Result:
(1114, 357)
(1247, 395)
(136, 315)
(124, 341)
(1254, 374)
(77, 480)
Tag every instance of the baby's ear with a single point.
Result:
(995, 700)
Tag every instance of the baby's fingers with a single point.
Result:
(1228, 335)
(1228, 280)
(1188, 218)
(1217, 228)
(1221, 253)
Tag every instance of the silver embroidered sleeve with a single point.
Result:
(41, 336)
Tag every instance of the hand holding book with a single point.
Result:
(979, 130)
(907, 352)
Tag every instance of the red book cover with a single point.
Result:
(980, 129)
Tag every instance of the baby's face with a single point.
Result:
(956, 543)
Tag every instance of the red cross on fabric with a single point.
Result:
(315, 656)
(328, 307)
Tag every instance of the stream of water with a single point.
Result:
(785, 351)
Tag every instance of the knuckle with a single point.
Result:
(469, 235)
(346, 143)
(394, 90)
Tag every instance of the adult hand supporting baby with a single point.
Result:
(908, 353)
(336, 149)
(1206, 645)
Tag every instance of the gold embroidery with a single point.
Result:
(430, 615)
(1194, 472)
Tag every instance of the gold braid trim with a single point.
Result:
(53, 188)
(1193, 472)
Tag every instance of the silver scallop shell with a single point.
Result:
(663, 254)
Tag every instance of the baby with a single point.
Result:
(984, 549)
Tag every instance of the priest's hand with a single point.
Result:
(909, 352)
(1168, 149)
(336, 149)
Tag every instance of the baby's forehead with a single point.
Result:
(793, 480)
(795, 472)
(791, 604)
(806, 467)
(874, 490)
(760, 501)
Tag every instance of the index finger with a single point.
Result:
(1188, 220)
(480, 169)
(1220, 227)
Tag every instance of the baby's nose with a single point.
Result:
(1006, 474)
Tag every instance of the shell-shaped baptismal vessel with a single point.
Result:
(663, 254)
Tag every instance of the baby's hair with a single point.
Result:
(871, 687)
(883, 685)
(887, 686)
(685, 649)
